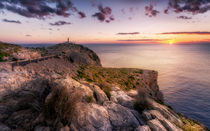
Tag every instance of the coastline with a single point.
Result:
(101, 90)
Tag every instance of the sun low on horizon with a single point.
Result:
(105, 22)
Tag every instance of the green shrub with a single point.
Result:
(142, 103)
(71, 60)
(2, 55)
(14, 59)
(131, 78)
(16, 50)
(139, 71)
(90, 99)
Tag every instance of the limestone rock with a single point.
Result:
(122, 98)
(147, 116)
(143, 128)
(166, 123)
(98, 93)
(166, 112)
(156, 125)
(121, 117)
(90, 117)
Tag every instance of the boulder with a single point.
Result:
(121, 117)
(98, 93)
(122, 98)
(90, 117)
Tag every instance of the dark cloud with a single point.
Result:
(128, 33)
(12, 21)
(104, 14)
(187, 33)
(150, 11)
(60, 23)
(131, 9)
(184, 17)
(1, 5)
(39, 8)
(123, 11)
(166, 11)
(192, 6)
(82, 14)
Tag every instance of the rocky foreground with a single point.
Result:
(74, 92)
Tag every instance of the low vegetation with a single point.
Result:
(61, 104)
(141, 102)
(125, 78)
(90, 99)
(6, 50)
(190, 124)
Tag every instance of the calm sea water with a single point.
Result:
(184, 72)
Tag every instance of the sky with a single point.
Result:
(105, 21)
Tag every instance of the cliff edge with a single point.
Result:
(66, 88)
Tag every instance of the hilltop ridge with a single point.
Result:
(72, 91)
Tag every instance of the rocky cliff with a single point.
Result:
(72, 91)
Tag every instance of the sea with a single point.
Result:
(183, 71)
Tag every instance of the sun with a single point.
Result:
(171, 42)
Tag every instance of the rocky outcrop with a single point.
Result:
(19, 109)
(47, 96)
(26, 54)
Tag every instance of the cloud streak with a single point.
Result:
(143, 40)
(184, 17)
(128, 33)
(28, 35)
(186, 33)
(60, 23)
(11, 21)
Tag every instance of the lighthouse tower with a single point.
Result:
(68, 40)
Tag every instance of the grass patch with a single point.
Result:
(6, 50)
(139, 71)
(105, 78)
(2, 55)
(81, 74)
(190, 124)
(124, 78)
(61, 104)
(106, 88)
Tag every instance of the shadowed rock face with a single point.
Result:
(47, 96)
(24, 108)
